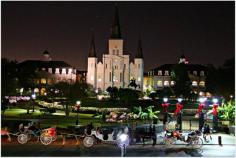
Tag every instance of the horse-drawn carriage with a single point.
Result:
(105, 134)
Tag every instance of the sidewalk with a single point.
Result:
(226, 139)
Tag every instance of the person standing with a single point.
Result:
(201, 115)
(154, 138)
(215, 117)
(178, 114)
(165, 106)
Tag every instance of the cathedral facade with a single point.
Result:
(115, 69)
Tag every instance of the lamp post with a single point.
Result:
(123, 142)
(200, 112)
(165, 105)
(33, 96)
(178, 113)
(215, 114)
(77, 110)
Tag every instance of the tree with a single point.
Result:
(9, 77)
(179, 74)
(127, 95)
(113, 92)
(152, 114)
(72, 93)
(227, 111)
(221, 81)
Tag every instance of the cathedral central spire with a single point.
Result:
(92, 51)
(139, 53)
(115, 30)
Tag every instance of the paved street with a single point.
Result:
(70, 149)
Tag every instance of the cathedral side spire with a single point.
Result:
(115, 30)
(92, 51)
(139, 53)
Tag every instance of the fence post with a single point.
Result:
(190, 124)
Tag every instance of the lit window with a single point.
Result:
(195, 73)
(172, 83)
(57, 71)
(139, 79)
(166, 73)
(194, 83)
(49, 70)
(92, 78)
(159, 83)
(63, 71)
(166, 83)
(43, 81)
(70, 71)
(43, 69)
(202, 73)
(202, 83)
(159, 73)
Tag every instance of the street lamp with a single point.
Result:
(123, 142)
(33, 96)
(215, 100)
(180, 100)
(200, 112)
(77, 110)
(165, 100)
(202, 99)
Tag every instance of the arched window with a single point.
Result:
(166, 83)
(202, 83)
(194, 83)
(159, 83)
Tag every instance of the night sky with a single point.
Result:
(203, 31)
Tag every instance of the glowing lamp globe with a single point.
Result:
(165, 99)
(180, 100)
(201, 100)
(215, 100)
(33, 96)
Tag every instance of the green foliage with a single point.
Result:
(127, 95)
(152, 114)
(9, 78)
(182, 85)
(148, 113)
(221, 81)
(113, 92)
(227, 111)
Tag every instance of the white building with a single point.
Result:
(47, 71)
(115, 68)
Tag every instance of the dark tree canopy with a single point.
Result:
(179, 74)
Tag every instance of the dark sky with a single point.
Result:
(203, 31)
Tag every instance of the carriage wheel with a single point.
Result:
(169, 141)
(197, 143)
(45, 139)
(88, 142)
(54, 138)
(22, 138)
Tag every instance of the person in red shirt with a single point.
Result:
(215, 114)
(201, 106)
(166, 115)
(178, 114)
